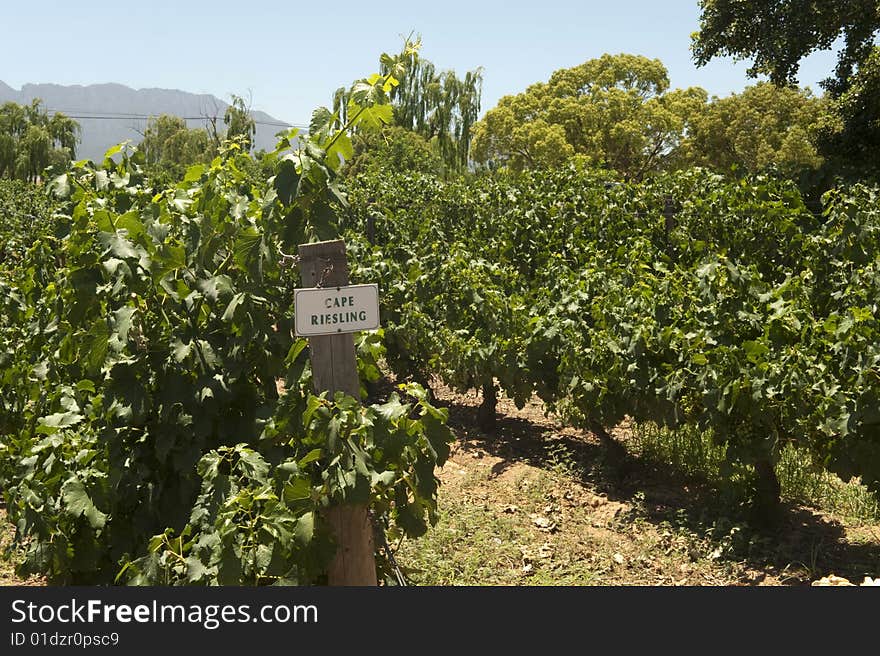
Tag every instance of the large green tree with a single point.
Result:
(31, 140)
(168, 143)
(761, 129)
(777, 34)
(852, 143)
(616, 112)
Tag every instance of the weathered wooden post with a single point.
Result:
(334, 367)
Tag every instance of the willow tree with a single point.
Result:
(439, 106)
(64, 132)
(32, 155)
(435, 104)
(31, 140)
(13, 124)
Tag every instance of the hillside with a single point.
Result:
(121, 109)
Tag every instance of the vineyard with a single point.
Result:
(157, 418)
(685, 301)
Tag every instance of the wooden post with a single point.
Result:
(334, 369)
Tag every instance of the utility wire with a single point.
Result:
(122, 116)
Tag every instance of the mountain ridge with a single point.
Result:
(117, 112)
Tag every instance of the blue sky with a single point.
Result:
(291, 56)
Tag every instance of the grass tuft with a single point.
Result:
(693, 453)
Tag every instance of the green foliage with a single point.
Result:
(851, 141)
(240, 125)
(25, 216)
(739, 312)
(171, 147)
(258, 522)
(436, 105)
(763, 129)
(144, 437)
(615, 112)
(31, 140)
(778, 34)
(392, 149)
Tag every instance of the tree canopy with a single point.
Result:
(763, 128)
(851, 144)
(171, 146)
(169, 143)
(31, 140)
(616, 112)
(437, 105)
(778, 34)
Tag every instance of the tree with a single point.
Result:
(33, 153)
(438, 105)
(519, 133)
(65, 132)
(777, 34)
(615, 111)
(763, 128)
(393, 149)
(30, 140)
(239, 123)
(7, 154)
(168, 143)
(852, 142)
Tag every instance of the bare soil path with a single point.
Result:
(537, 503)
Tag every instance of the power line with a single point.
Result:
(123, 116)
(89, 111)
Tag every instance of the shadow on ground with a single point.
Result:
(803, 546)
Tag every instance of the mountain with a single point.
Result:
(122, 110)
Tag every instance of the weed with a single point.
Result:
(805, 482)
(562, 462)
(687, 450)
(694, 454)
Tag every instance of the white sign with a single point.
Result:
(332, 310)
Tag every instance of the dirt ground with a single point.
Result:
(537, 503)
(7, 567)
